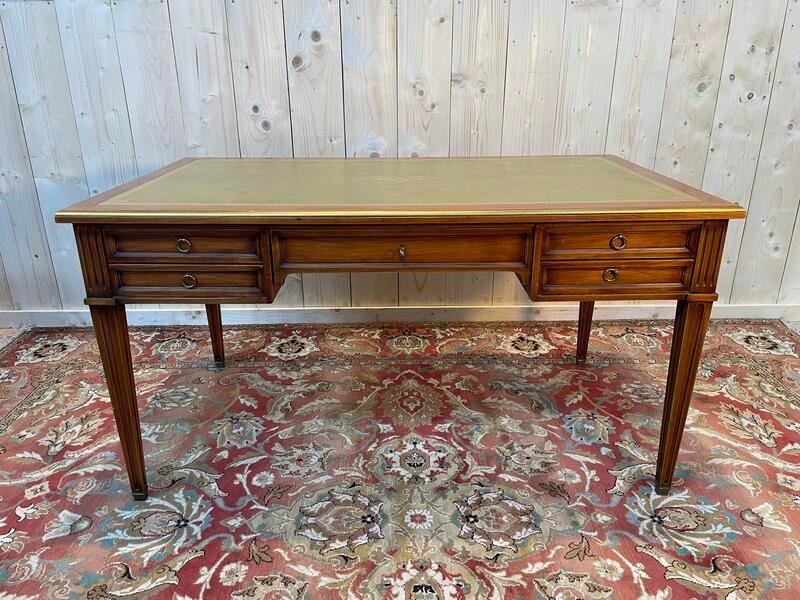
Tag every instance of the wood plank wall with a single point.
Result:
(96, 92)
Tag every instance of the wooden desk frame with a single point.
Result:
(161, 258)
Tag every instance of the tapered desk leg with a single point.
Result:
(111, 329)
(584, 330)
(215, 326)
(691, 323)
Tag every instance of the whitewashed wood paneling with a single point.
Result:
(533, 71)
(23, 242)
(424, 44)
(369, 50)
(740, 117)
(705, 91)
(314, 56)
(203, 62)
(43, 96)
(591, 28)
(698, 48)
(258, 59)
(147, 60)
(640, 77)
(478, 74)
(6, 301)
(89, 42)
(773, 210)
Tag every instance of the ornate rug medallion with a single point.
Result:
(402, 462)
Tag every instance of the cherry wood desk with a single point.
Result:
(230, 230)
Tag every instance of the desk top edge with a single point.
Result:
(698, 206)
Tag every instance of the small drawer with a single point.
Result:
(184, 244)
(619, 240)
(636, 278)
(182, 284)
(391, 248)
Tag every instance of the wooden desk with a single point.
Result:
(231, 230)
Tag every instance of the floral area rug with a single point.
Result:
(412, 462)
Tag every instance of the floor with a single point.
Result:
(420, 461)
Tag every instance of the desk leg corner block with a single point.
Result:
(111, 330)
(691, 324)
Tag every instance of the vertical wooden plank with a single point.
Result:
(773, 211)
(313, 48)
(200, 38)
(480, 33)
(23, 242)
(315, 77)
(698, 48)
(533, 70)
(291, 293)
(374, 289)
(328, 289)
(258, 57)
(6, 302)
(48, 121)
(472, 288)
(369, 51)
(144, 42)
(640, 76)
(422, 289)
(508, 291)
(584, 95)
(98, 96)
(424, 43)
(747, 76)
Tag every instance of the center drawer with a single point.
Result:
(298, 249)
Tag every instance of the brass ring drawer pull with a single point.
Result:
(189, 281)
(610, 275)
(184, 246)
(402, 251)
(618, 242)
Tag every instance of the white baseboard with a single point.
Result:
(536, 312)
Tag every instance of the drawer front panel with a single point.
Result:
(620, 241)
(183, 284)
(665, 278)
(314, 249)
(184, 245)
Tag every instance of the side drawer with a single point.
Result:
(603, 279)
(392, 248)
(619, 241)
(168, 283)
(183, 244)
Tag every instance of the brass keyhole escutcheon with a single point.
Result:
(184, 246)
(618, 242)
(610, 275)
(402, 251)
(189, 281)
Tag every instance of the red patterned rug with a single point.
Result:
(416, 462)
